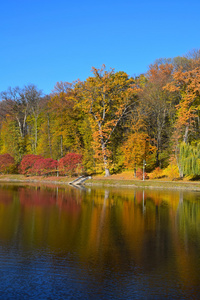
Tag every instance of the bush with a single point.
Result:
(27, 163)
(7, 164)
(157, 173)
(44, 166)
(139, 174)
(70, 164)
(171, 171)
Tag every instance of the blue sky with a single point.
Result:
(43, 42)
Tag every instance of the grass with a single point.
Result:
(125, 179)
(146, 183)
(22, 178)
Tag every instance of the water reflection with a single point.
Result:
(111, 243)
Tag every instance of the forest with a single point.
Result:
(108, 123)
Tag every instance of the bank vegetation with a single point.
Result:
(107, 124)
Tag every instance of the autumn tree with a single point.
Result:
(186, 86)
(14, 104)
(44, 145)
(7, 164)
(21, 105)
(157, 106)
(106, 97)
(64, 119)
(139, 146)
(32, 96)
(10, 139)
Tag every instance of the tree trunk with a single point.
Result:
(35, 135)
(61, 146)
(178, 164)
(107, 172)
(20, 127)
(49, 136)
(105, 159)
(24, 125)
(185, 137)
(158, 149)
(135, 172)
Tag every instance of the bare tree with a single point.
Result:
(15, 105)
(33, 97)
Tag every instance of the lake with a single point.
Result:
(98, 243)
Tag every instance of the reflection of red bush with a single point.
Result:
(7, 163)
(36, 197)
(42, 198)
(6, 197)
(70, 164)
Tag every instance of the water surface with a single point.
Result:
(65, 243)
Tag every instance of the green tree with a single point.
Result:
(189, 159)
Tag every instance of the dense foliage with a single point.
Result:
(27, 164)
(7, 164)
(45, 166)
(70, 164)
(107, 123)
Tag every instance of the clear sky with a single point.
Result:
(45, 41)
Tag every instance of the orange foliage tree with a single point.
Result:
(187, 86)
(106, 97)
(7, 164)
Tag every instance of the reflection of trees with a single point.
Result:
(9, 213)
(38, 214)
(185, 236)
(102, 217)
(124, 229)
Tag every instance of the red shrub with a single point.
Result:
(7, 163)
(43, 166)
(70, 164)
(139, 174)
(27, 163)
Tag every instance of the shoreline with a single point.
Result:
(147, 184)
(100, 181)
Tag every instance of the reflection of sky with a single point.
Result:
(105, 244)
(44, 275)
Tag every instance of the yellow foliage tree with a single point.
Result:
(106, 98)
(138, 147)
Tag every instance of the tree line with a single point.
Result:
(111, 120)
